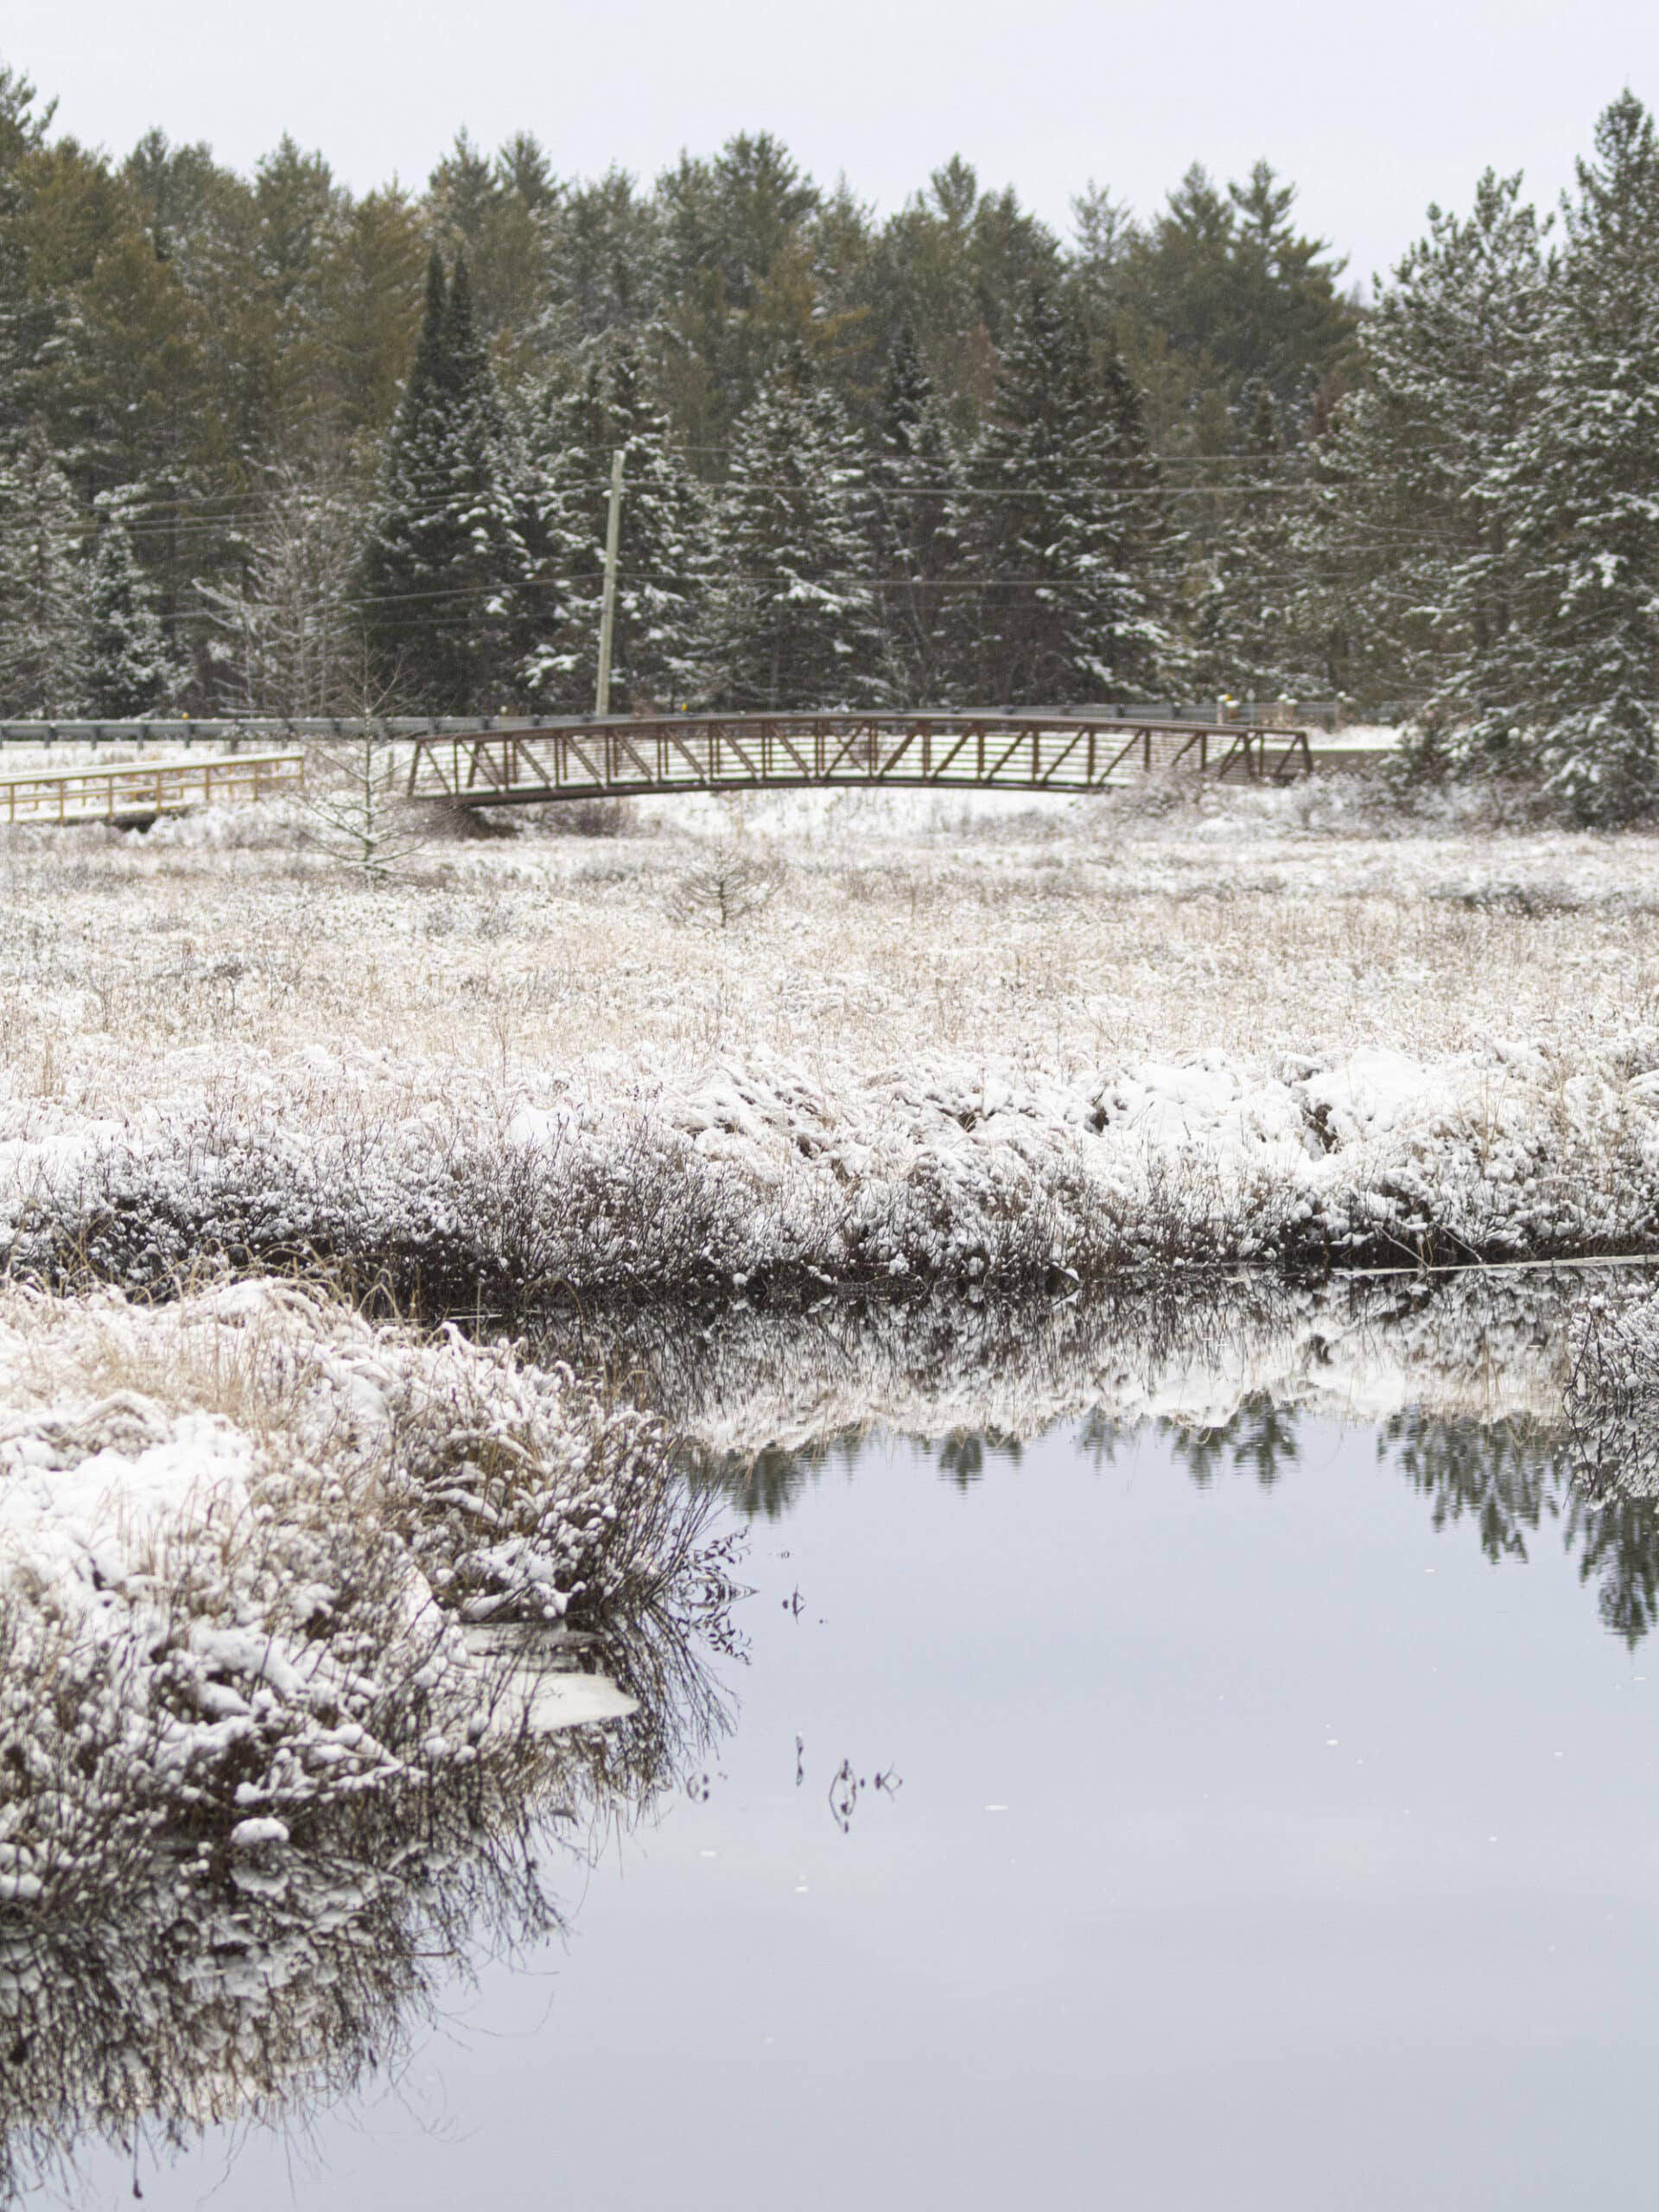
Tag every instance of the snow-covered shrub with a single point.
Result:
(242, 1542)
(772, 1172)
(730, 882)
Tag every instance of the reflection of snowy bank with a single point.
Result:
(207, 1986)
(1482, 1347)
(1613, 1398)
(1460, 1377)
(951, 1174)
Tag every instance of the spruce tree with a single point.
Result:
(445, 557)
(915, 488)
(131, 672)
(44, 607)
(1061, 522)
(1243, 632)
(793, 618)
(663, 549)
(1578, 669)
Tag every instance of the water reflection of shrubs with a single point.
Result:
(1612, 1396)
(259, 1984)
(744, 1382)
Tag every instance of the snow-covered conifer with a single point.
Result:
(793, 621)
(1411, 582)
(1579, 667)
(1060, 522)
(44, 609)
(131, 668)
(915, 486)
(445, 557)
(663, 549)
(1244, 636)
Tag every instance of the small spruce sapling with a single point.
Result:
(356, 797)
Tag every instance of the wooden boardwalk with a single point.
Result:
(138, 791)
(521, 764)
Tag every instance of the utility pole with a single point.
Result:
(607, 611)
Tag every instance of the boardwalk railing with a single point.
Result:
(522, 765)
(137, 790)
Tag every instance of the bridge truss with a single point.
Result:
(526, 763)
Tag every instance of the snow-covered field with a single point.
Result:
(950, 1040)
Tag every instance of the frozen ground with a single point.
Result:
(966, 1040)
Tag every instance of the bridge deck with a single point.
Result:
(523, 765)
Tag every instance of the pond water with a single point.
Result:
(1256, 1814)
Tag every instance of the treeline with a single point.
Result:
(268, 446)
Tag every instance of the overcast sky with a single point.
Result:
(1374, 111)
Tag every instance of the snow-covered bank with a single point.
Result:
(277, 1564)
(776, 1173)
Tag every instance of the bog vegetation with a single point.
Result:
(259, 433)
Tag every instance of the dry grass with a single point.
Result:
(133, 968)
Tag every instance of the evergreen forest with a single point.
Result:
(270, 447)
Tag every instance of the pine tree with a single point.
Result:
(23, 324)
(131, 672)
(1412, 578)
(446, 556)
(43, 597)
(663, 549)
(1578, 668)
(1061, 522)
(792, 620)
(738, 267)
(915, 491)
(604, 262)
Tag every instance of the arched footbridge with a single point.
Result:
(110, 771)
(525, 764)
